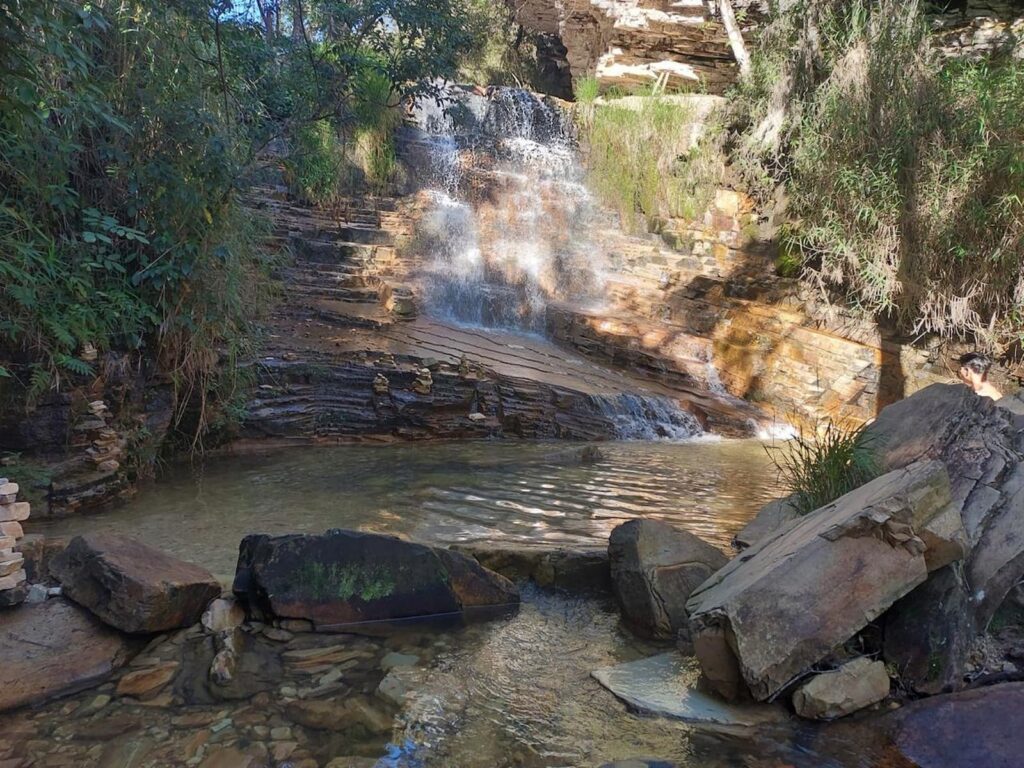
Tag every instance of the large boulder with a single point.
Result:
(786, 603)
(982, 446)
(654, 568)
(132, 586)
(344, 578)
(853, 686)
(54, 649)
(982, 727)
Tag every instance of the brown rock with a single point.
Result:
(843, 691)
(778, 607)
(52, 649)
(230, 757)
(475, 586)
(654, 568)
(147, 683)
(983, 727)
(339, 715)
(16, 512)
(132, 586)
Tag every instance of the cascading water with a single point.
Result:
(508, 228)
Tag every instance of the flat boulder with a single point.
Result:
(54, 649)
(132, 586)
(573, 568)
(345, 578)
(853, 686)
(786, 603)
(654, 569)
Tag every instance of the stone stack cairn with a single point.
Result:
(12, 571)
(107, 446)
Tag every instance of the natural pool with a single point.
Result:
(514, 691)
(443, 493)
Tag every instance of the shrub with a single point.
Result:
(316, 159)
(820, 469)
(640, 160)
(904, 172)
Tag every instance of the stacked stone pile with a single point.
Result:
(107, 446)
(12, 571)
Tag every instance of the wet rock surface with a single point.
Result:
(132, 586)
(54, 649)
(654, 569)
(347, 578)
(983, 727)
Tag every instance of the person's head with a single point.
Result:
(974, 368)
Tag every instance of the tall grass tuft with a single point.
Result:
(822, 468)
(904, 171)
(641, 160)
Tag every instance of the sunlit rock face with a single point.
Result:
(507, 224)
(631, 43)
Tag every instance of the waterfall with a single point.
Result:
(509, 220)
(509, 227)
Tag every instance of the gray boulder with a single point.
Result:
(786, 603)
(982, 447)
(853, 686)
(654, 569)
(773, 518)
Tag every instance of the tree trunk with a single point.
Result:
(739, 49)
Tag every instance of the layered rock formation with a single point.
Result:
(925, 554)
(630, 43)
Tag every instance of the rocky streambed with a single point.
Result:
(863, 634)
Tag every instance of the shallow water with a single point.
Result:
(443, 493)
(513, 691)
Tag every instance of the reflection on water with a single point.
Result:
(443, 493)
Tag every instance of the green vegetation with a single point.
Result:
(904, 171)
(641, 160)
(129, 134)
(344, 582)
(825, 466)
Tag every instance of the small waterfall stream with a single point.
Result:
(510, 227)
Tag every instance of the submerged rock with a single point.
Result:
(782, 606)
(654, 568)
(345, 578)
(132, 586)
(667, 685)
(579, 569)
(843, 691)
(54, 649)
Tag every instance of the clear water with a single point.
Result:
(514, 691)
(444, 493)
